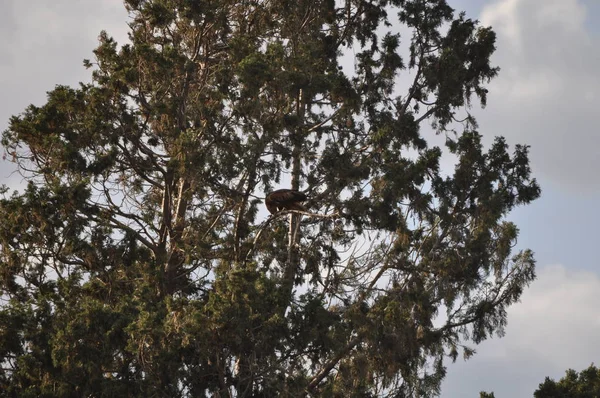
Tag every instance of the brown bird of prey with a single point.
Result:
(288, 199)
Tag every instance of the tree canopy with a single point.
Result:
(585, 384)
(139, 260)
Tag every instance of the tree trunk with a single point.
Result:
(294, 234)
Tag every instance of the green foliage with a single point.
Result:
(138, 260)
(585, 384)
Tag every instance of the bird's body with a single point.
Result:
(288, 199)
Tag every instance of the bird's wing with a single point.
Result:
(285, 196)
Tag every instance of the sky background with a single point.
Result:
(546, 96)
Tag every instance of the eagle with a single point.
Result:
(288, 199)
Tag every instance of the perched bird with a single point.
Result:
(288, 199)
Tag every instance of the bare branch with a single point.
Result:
(329, 365)
(279, 214)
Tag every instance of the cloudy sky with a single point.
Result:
(547, 96)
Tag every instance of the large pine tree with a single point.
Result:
(139, 259)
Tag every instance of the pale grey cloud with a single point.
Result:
(555, 327)
(45, 43)
(547, 93)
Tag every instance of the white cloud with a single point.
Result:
(555, 327)
(547, 92)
